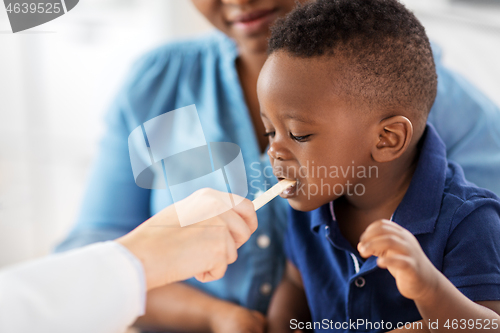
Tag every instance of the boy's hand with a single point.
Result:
(399, 252)
(237, 319)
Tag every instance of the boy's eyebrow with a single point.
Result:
(298, 117)
(293, 116)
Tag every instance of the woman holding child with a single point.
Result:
(218, 73)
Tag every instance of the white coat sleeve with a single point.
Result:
(98, 288)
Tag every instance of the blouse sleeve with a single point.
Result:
(113, 204)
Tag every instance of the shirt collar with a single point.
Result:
(419, 209)
(321, 216)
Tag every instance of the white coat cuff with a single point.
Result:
(139, 269)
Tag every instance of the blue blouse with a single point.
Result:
(202, 71)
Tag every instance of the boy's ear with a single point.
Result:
(394, 137)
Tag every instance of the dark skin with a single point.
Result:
(316, 116)
(304, 112)
(180, 307)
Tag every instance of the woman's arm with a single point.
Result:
(289, 302)
(180, 307)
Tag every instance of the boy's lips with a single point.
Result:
(255, 21)
(291, 191)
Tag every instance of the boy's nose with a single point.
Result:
(277, 151)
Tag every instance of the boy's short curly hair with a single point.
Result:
(384, 52)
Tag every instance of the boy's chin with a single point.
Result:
(304, 205)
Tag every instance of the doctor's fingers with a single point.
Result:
(247, 212)
(231, 250)
(219, 247)
(212, 275)
(222, 254)
(238, 228)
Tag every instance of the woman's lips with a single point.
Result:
(255, 21)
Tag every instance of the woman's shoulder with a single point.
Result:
(172, 74)
(214, 44)
(184, 61)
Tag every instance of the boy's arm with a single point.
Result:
(419, 326)
(436, 298)
(182, 308)
(447, 303)
(289, 302)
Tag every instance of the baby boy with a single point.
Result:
(383, 229)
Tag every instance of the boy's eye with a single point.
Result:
(269, 134)
(301, 138)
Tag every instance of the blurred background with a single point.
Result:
(57, 81)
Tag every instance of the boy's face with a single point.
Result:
(315, 136)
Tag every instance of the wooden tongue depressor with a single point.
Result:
(272, 193)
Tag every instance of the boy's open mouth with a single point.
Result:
(291, 191)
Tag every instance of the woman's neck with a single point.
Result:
(252, 62)
(249, 65)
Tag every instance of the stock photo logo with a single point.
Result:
(164, 157)
(26, 14)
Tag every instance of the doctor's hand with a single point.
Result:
(171, 253)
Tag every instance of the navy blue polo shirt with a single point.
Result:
(456, 223)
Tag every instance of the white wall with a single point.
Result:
(56, 82)
(469, 34)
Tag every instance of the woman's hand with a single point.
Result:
(231, 318)
(171, 253)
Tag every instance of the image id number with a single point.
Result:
(46, 8)
(478, 324)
